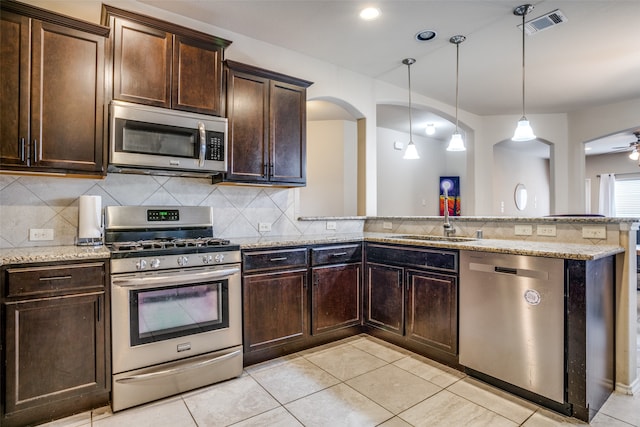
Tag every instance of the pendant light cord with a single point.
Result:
(410, 125)
(523, 68)
(457, 75)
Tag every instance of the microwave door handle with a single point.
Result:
(203, 143)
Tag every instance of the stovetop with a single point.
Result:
(157, 237)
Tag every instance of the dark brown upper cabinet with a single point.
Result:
(164, 65)
(267, 126)
(52, 95)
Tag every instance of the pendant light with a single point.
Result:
(456, 143)
(412, 152)
(523, 130)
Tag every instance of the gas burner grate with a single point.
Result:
(142, 245)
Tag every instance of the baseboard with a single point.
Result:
(632, 389)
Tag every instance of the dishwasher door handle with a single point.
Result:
(506, 270)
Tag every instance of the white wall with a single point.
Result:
(618, 163)
(520, 168)
(408, 187)
(331, 169)
(592, 123)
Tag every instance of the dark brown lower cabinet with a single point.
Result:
(56, 351)
(336, 300)
(289, 306)
(411, 299)
(432, 310)
(385, 297)
(275, 309)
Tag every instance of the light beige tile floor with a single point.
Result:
(360, 381)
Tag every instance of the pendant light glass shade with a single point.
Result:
(456, 143)
(411, 153)
(634, 154)
(523, 132)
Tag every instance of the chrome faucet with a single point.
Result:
(448, 228)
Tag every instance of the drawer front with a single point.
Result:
(337, 254)
(274, 259)
(54, 279)
(434, 259)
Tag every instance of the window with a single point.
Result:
(628, 196)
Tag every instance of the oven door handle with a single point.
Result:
(177, 370)
(174, 279)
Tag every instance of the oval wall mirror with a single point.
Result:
(520, 196)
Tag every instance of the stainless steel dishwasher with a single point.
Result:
(512, 320)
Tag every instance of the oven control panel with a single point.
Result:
(150, 263)
(154, 215)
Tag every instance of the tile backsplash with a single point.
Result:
(52, 202)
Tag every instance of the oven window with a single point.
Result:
(147, 138)
(169, 312)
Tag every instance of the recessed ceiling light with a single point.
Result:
(426, 35)
(587, 148)
(369, 13)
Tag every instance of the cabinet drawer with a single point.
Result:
(435, 259)
(52, 279)
(274, 260)
(337, 254)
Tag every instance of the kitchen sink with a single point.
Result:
(434, 238)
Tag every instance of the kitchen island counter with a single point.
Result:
(518, 247)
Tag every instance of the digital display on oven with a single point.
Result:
(163, 215)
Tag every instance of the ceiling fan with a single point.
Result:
(633, 146)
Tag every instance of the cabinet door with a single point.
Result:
(14, 90)
(142, 64)
(288, 135)
(197, 76)
(55, 350)
(432, 310)
(248, 113)
(275, 309)
(384, 303)
(335, 297)
(67, 86)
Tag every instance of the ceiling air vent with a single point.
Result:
(544, 22)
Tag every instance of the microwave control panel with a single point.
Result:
(215, 146)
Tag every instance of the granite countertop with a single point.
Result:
(52, 254)
(517, 247)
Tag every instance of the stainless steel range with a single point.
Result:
(176, 302)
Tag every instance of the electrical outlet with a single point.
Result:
(594, 232)
(387, 225)
(38, 234)
(331, 225)
(523, 230)
(546, 230)
(264, 226)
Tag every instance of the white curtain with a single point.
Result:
(607, 199)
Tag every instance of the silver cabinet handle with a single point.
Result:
(42, 279)
(203, 143)
(337, 254)
(173, 371)
(22, 150)
(282, 258)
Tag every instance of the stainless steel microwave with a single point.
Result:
(155, 140)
